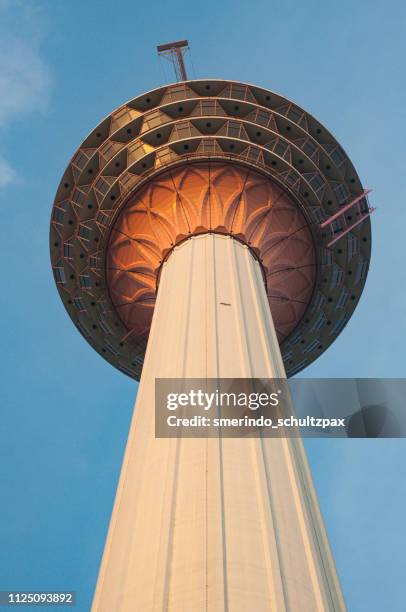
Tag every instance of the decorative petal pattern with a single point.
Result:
(200, 198)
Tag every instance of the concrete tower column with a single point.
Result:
(213, 524)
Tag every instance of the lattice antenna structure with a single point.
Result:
(174, 52)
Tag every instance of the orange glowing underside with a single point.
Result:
(199, 198)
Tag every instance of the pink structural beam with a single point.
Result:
(339, 216)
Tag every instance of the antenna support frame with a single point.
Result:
(174, 52)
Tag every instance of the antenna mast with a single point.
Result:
(174, 52)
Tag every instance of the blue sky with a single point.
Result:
(64, 411)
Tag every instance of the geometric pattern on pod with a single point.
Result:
(233, 138)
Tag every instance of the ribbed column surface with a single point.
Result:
(213, 524)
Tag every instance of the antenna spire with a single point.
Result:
(174, 52)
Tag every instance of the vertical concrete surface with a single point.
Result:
(218, 525)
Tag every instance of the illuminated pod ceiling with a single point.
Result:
(198, 157)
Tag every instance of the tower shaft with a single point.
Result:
(213, 524)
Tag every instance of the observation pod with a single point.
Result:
(211, 228)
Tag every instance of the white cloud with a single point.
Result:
(7, 174)
(25, 79)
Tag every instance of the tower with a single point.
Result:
(211, 228)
